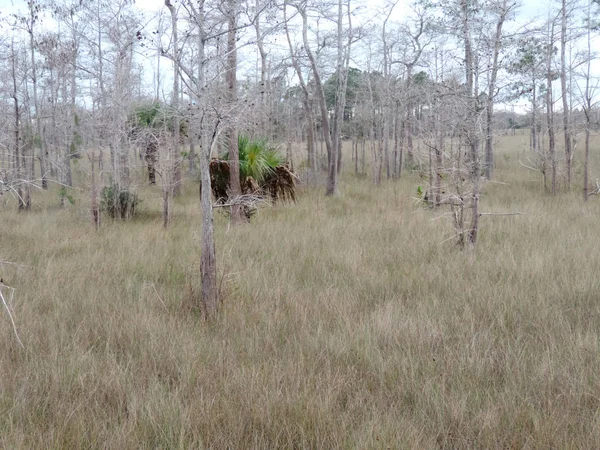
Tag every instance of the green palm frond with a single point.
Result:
(257, 158)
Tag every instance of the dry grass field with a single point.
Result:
(346, 323)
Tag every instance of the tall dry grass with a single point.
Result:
(346, 323)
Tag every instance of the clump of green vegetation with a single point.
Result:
(258, 159)
(262, 168)
(63, 194)
(119, 203)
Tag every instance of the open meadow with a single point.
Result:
(347, 322)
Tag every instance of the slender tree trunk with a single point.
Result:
(563, 86)
(192, 156)
(310, 138)
(549, 106)
(363, 144)
(18, 160)
(95, 209)
(264, 89)
(331, 150)
(74, 119)
(471, 135)
(53, 145)
(408, 122)
(401, 139)
(238, 215)
(355, 153)
(208, 259)
(36, 105)
(587, 106)
(395, 121)
(489, 150)
(439, 162)
(289, 155)
(339, 111)
(534, 115)
(387, 97)
(310, 135)
(175, 189)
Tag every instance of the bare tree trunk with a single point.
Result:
(74, 119)
(374, 158)
(355, 154)
(95, 209)
(175, 189)
(563, 86)
(401, 139)
(331, 150)
(549, 106)
(439, 163)
(344, 59)
(363, 161)
(192, 156)
(289, 156)
(238, 215)
(408, 122)
(264, 89)
(166, 194)
(52, 153)
(472, 140)
(586, 164)
(310, 137)
(208, 259)
(380, 161)
(395, 171)
(18, 160)
(587, 109)
(338, 116)
(387, 97)
(489, 150)
(534, 115)
(33, 6)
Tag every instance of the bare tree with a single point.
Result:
(176, 182)
(30, 23)
(412, 53)
(23, 198)
(502, 9)
(306, 103)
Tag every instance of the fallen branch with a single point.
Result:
(248, 200)
(595, 191)
(502, 214)
(12, 320)
(529, 167)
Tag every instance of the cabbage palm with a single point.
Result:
(257, 159)
(262, 169)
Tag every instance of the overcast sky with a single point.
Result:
(529, 10)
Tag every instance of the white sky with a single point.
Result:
(529, 8)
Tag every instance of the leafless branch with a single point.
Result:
(4, 302)
(502, 214)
